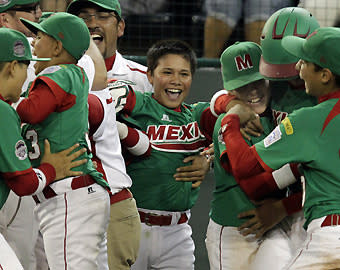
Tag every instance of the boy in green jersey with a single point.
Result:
(175, 132)
(309, 136)
(56, 108)
(16, 171)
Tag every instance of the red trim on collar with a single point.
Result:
(7, 101)
(109, 62)
(329, 96)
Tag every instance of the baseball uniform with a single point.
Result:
(164, 204)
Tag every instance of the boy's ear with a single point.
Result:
(149, 75)
(58, 48)
(326, 75)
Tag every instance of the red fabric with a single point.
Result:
(259, 186)
(109, 62)
(207, 123)
(222, 102)
(293, 203)
(130, 102)
(243, 162)
(96, 113)
(131, 139)
(28, 182)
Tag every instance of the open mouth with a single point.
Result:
(173, 94)
(255, 100)
(97, 38)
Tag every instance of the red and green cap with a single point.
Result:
(240, 64)
(6, 5)
(14, 46)
(69, 29)
(320, 47)
(277, 63)
(111, 5)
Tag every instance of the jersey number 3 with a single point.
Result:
(32, 136)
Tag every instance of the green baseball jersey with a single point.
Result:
(13, 150)
(310, 136)
(285, 99)
(228, 198)
(174, 135)
(69, 123)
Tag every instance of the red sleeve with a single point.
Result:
(242, 159)
(293, 203)
(133, 139)
(130, 102)
(222, 102)
(40, 103)
(96, 113)
(27, 183)
(258, 186)
(207, 123)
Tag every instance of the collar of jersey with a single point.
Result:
(329, 96)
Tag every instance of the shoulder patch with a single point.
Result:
(21, 150)
(49, 70)
(273, 137)
(288, 126)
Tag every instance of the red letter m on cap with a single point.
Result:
(243, 63)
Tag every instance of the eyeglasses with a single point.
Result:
(31, 9)
(99, 16)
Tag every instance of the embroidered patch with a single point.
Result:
(4, 3)
(288, 126)
(19, 48)
(49, 70)
(21, 150)
(273, 137)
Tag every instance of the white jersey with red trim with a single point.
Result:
(124, 69)
(106, 146)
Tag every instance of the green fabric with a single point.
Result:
(14, 46)
(277, 63)
(240, 64)
(112, 5)
(67, 125)
(67, 28)
(6, 4)
(305, 136)
(154, 186)
(321, 48)
(228, 198)
(25, 2)
(13, 151)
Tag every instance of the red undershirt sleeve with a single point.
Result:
(222, 102)
(38, 106)
(96, 113)
(243, 161)
(293, 203)
(28, 182)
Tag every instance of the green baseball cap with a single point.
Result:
(320, 47)
(69, 29)
(112, 5)
(25, 2)
(240, 64)
(6, 4)
(45, 15)
(14, 46)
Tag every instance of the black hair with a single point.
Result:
(170, 46)
(336, 76)
(3, 63)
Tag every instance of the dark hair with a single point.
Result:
(336, 76)
(170, 46)
(2, 64)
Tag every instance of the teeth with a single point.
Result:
(255, 100)
(174, 91)
(96, 36)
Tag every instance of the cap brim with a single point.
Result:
(33, 26)
(278, 71)
(40, 59)
(294, 45)
(242, 81)
(74, 6)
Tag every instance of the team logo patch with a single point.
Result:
(21, 150)
(273, 137)
(50, 69)
(4, 3)
(288, 126)
(19, 48)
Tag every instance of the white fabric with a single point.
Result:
(106, 145)
(228, 248)
(8, 260)
(87, 64)
(42, 180)
(320, 249)
(78, 218)
(142, 146)
(19, 227)
(124, 69)
(213, 100)
(284, 177)
(165, 247)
